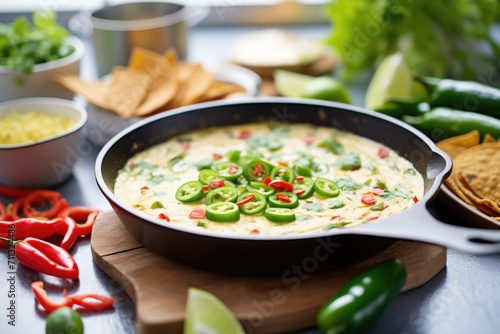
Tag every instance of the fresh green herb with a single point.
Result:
(350, 161)
(314, 206)
(380, 206)
(336, 204)
(330, 226)
(439, 38)
(201, 224)
(23, 45)
(332, 145)
(348, 184)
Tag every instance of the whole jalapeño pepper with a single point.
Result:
(440, 123)
(465, 95)
(363, 299)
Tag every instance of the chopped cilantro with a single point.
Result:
(314, 206)
(336, 204)
(350, 161)
(348, 184)
(330, 226)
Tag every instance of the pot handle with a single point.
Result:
(419, 224)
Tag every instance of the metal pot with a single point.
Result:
(155, 26)
(265, 254)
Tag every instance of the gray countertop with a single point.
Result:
(462, 298)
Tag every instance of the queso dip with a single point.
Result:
(267, 178)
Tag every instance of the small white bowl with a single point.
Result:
(40, 81)
(47, 162)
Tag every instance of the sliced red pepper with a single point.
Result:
(232, 169)
(38, 228)
(299, 178)
(373, 217)
(267, 180)
(206, 188)
(244, 134)
(281, 185)
(246, 200)
(43, 299)
(82, 217)
(368, 199)
(300, 192)
(283, 197)
(93, 301)
(185, 145)
(382, 153)
(3, 212)
(41, 197)
(282, 163)
(335, 218)
(15, 192)
(255, 231)
(217, 183)
(15, 209)
(415, 199)
(258, 170)
(197, 214)
(377, 191)
(44, 257)
(309, 139)
(145, 188)
(164, 217)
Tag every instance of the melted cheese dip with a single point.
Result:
(151, 178)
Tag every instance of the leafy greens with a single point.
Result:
(440, 38)
(23, 45)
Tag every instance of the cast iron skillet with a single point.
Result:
(288, 253)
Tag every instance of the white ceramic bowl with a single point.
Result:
(104, 124)
(47, 162)
(39, 82)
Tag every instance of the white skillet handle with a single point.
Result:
(420, 225)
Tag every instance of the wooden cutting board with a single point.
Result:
(158, 286)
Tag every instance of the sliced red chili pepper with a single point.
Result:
(197, 214)
(217, 183)
(383, 153)
(267, 180)
(257, 171)
(283, 197)
(335, 218)
(373, 217)
(185, 145)
(282, 163)
(377, 191)
(15, 192)
(3, 212)
(93, 301)
(43, 299)
(38, 228)
(415, 199)
(44, 257)
(255, 231)
(233, 169)
(309, 139)
(246, 200)
(41, 197)
(368, 199)
(145, 188)
(206, 188)
(15, 209)
(281, 185)
(217, 156)
(299, 178)
(164, 217)
(244, 134)
(83, 218)
(300, 192)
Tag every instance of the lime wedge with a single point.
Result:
(206, 314)
(290, 84)
(392, 79)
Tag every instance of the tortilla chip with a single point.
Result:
(489, 138)
(220, 90)
(456, 145)
(93, 91)
(127, 90)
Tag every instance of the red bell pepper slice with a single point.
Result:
(15, 192)
(217, 183)
(197, 214)
(3, 212)
(43, 299)
(368, 199)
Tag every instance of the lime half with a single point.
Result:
(392, 79)
(290, 84)
(206, 314)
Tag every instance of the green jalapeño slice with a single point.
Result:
(223, 212)
(283, 200)
(261, 188)
(252, 203)
(279, 215)
(190, 191)
(326, 188)
(303, 187)
(222, 194)
(228, 170)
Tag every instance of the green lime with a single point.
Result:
(326, 88)
(290, 84)
(205, 313)
(64, 320)
(392, 79)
